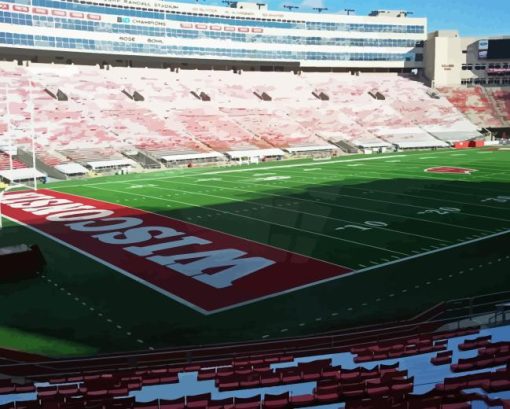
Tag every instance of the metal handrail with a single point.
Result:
(224, 351)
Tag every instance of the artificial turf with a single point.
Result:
(417, 238)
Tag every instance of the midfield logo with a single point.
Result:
(451, 169)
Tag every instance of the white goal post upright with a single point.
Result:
(32, 130)
(10, 129)
(8, 120)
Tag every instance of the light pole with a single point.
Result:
(349, 11)
(320, 9)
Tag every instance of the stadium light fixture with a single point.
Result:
(320, 9)
(259, 5)
(407, 13)
(290, 7)
(228, 2)
(349, 11)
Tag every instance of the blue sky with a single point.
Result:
(470, 17)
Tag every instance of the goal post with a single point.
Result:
(14, 178)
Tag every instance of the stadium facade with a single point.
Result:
(246, 35)
(452, 60)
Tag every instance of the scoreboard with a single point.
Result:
(494, 49)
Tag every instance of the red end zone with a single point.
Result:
(202, 268)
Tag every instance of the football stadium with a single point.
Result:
(230, 206)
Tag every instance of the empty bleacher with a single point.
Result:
(474, 104)
(397, 370)
(5, 162)
(170, 121)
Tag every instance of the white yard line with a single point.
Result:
(86, 304)
(300, 176)
(410, 169)
(363, 209)
(254, 219)
(398, 203)
(111, 266)
(139, 179)
(286, 208)
(364, 270)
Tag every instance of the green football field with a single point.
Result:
(413, 238)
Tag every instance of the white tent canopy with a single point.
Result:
(16, 175)
(111, 163)
(421, 144)
(374, 144)
(71, 169)
(455, 136)
(255, 153)
(191, 156)
(311, 148)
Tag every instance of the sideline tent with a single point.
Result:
(297, 149)
(114, 163)
(20, 175)
(72, 169)
(456, 136)
(255, 153)
(192, 156)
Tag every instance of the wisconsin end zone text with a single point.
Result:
(205, 269)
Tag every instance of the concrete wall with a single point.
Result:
(443, 58)
(445, 54)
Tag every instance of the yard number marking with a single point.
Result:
(441, 211)
(498, 199)
(366, 226)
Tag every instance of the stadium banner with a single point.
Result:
(202, 268)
